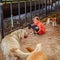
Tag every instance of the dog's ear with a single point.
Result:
(38, 47)
(23, 34)
(26, 34)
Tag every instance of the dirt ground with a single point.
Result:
(50, 42)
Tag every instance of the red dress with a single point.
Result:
(40, 26)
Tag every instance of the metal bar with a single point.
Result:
(55, 3)
(1, 20)
(25, 12)
(31, 10)
(42, 7)
(6, 1)
(39, 7)
(0, 0)
(49, 5)
(11, 15)
(46, 8)
(58, 2)
(19, 12)
(35, 5)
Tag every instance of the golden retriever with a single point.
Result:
(10, 45)
(11, 48)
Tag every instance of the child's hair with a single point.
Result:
(36, 17)
(34, 27)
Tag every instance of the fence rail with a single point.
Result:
(29, 8)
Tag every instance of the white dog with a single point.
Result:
(51, 20)
(10, 45)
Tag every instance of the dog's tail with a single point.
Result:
(38, 47)
(19, 53)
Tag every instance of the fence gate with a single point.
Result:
(16, 14)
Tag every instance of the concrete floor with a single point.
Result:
(50, 42)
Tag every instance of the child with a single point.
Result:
(37, 26)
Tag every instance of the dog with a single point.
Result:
(51, 20)
(37, 54)
(10, 45)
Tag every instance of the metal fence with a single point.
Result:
(39, 7)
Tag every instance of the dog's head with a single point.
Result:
(23, 34)
(20, 34)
